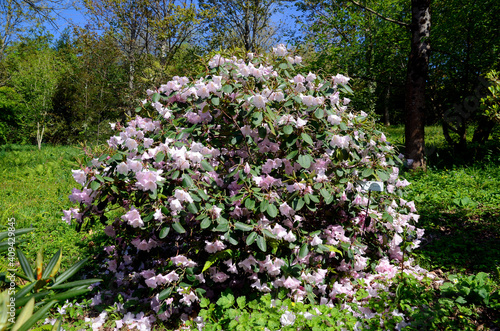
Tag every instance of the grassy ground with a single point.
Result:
(458, 201)
(34, 189)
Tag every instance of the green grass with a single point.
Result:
(458, 199)
(34, 189)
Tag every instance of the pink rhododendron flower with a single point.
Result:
(259, 101)
(280, 50)
(215, 246)
(183, 196)
(79, 176)
(133, 218)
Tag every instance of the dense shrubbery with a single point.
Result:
(252, 176)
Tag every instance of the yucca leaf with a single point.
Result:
(39, 264)
(36, 316)
(25, 314)
(70, 272)
(58, 325)
(19, 232)
(25, 290)
(22, 301)
(76, 283)
(53, 265)
(25, 265)
(69, 294)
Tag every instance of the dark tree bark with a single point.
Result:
(418, 65)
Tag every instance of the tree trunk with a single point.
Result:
(387, 121)
(483, 130)
(418, 64)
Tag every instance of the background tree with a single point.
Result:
(466, 43)
(341, 37)
(143, 28)
(35, 71)
(19, 16)
(93, 93)
(246, 24)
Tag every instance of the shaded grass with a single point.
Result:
(458, 198)
(460, 210)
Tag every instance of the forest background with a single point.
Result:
(67, 89)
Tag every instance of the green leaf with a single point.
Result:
(164, 232)
(215, 101)
(297, 204)
(156, 97)
(292, 154)
(272, 210)
(25, 290)
(222, 227)
(27, 268)
(251, 238)
(241, 301)
(165, 293)
(257, 118)
(261, 243)
(227, 89)
(37, 316)
(262, 132)
(250, 204)
(268, 233)
(160, 157)
(325, 193)
(304, 250)
(222, 255)
(288, 103)
(69, 294)
(178, 227)
(192, 208)
(382, 175)
(76, 283)
(305, 161)
(307, 138)
(367, 172)
(94, 185)
(243, 226)
(205, 223)
(17, 233)
(202, 194)
(52, 264)
(319, 113)
(263, 205)
(288, 129)
(187, 182)
(25, 314)
(70, 272)
(205, 165)
(314, 198)
(57, 325)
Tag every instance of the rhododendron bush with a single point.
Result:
(249, 177)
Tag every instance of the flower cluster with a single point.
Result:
(248, 177)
